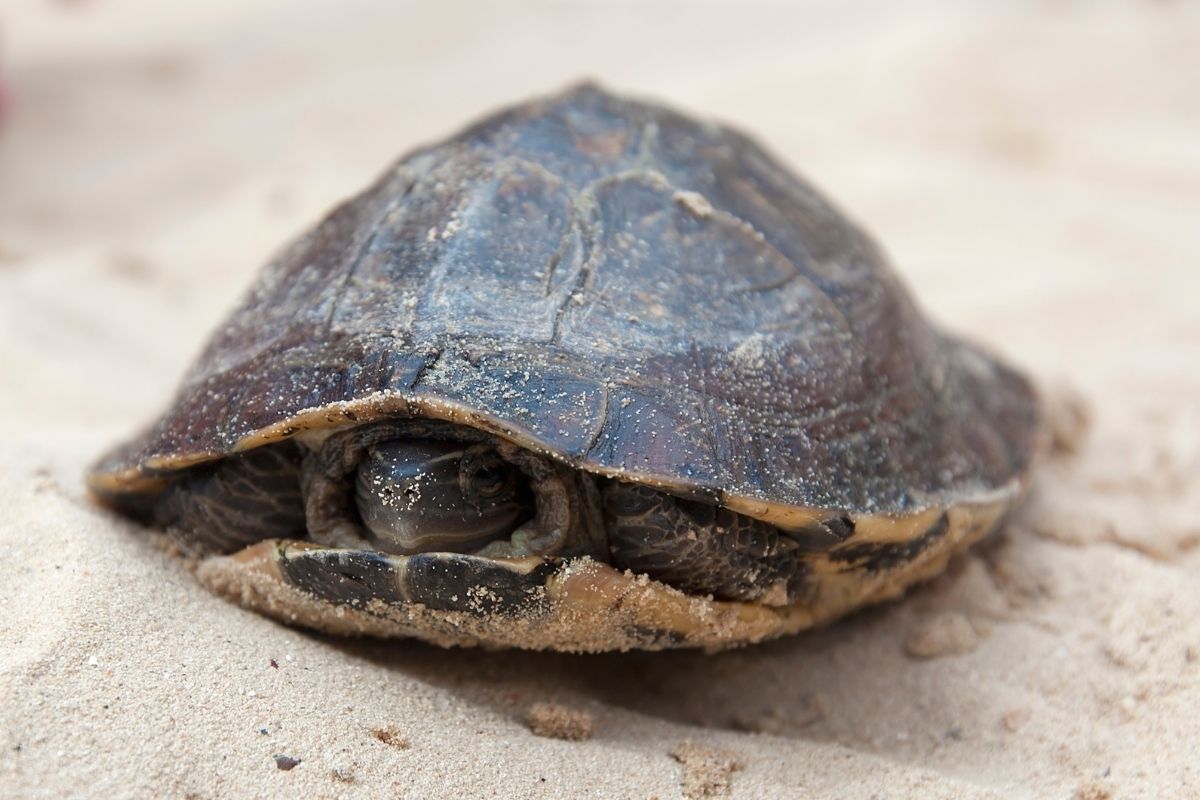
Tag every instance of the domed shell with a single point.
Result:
(627, 289)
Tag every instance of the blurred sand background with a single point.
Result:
(1032, 167)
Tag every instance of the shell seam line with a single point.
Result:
(361, 255)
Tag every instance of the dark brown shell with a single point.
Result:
(625, 288)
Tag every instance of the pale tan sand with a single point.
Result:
(1034, 169)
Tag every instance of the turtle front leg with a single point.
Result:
(703, 549)
(238, 501)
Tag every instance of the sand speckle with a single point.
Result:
(948, 633)
(392, 737)
(1015, 718)
(556, 721)
(770, 717)
(1093, 791)
(707, 771)
(130, 266)
(343, 774)
(9, 255)
(1068, 417)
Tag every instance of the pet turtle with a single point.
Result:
(589, 375)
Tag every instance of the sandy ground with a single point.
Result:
(1034, 170)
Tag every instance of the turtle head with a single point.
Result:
(423, 495)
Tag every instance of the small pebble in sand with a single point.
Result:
(130, 265)
(286, 763)
(1015, 718)
(946, 634)
(773, 719)
(392, 737)
(7, 254)
(1092, 791)
(343, 773)
(559, 722)
(707, 771)
(1068, 418)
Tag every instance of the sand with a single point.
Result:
(1034, 171)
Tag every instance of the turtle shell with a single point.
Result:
(626, 289)
(638, 295)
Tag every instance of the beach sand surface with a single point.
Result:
(1032, 168)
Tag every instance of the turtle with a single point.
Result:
(591, 374)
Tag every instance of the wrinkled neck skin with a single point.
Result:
(565, 519)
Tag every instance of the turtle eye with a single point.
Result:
(430, 496)
(485, 476)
